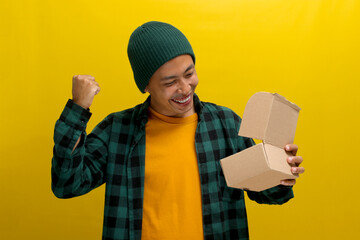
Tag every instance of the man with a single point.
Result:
(160, 159)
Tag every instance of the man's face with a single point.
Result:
(172, 87)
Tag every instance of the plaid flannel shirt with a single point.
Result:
(114, 153)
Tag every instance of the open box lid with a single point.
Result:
(270, 118)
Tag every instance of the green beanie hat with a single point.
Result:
(153, 44)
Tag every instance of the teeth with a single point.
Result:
(182, 101)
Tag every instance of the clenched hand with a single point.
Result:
(84, 89)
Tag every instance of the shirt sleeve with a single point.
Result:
(276, 195)
(77, 172)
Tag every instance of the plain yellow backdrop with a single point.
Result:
(305, 50)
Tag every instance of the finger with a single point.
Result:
(97, 90)
(288, 182)
(87, 77)
(297, 170)
(292, 148)
(295, 161)
(75, 79)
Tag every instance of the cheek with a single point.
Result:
(167, 93)
(195, 81)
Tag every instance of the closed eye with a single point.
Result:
(168, 84)
(189, 74)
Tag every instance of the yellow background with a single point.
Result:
(305, 50)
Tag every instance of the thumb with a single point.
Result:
(97, 90)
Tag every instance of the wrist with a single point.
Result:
(82, 104)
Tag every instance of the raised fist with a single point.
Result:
(84, 89)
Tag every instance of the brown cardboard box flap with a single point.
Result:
(271, 118)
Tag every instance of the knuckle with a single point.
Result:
(80, 79)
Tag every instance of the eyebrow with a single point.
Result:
(191, 66)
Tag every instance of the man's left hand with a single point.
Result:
(294, 162)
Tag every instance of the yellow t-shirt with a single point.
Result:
(172, 196)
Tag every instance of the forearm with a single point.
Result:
(77, 143)
(75, 171)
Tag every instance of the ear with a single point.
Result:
(146, 90)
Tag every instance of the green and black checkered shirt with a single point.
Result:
(114, 153)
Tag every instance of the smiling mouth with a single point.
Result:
(183, 101)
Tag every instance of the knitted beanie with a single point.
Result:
(153, 44)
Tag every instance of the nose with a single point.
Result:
(184, 86)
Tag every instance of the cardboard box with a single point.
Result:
(271, 118)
